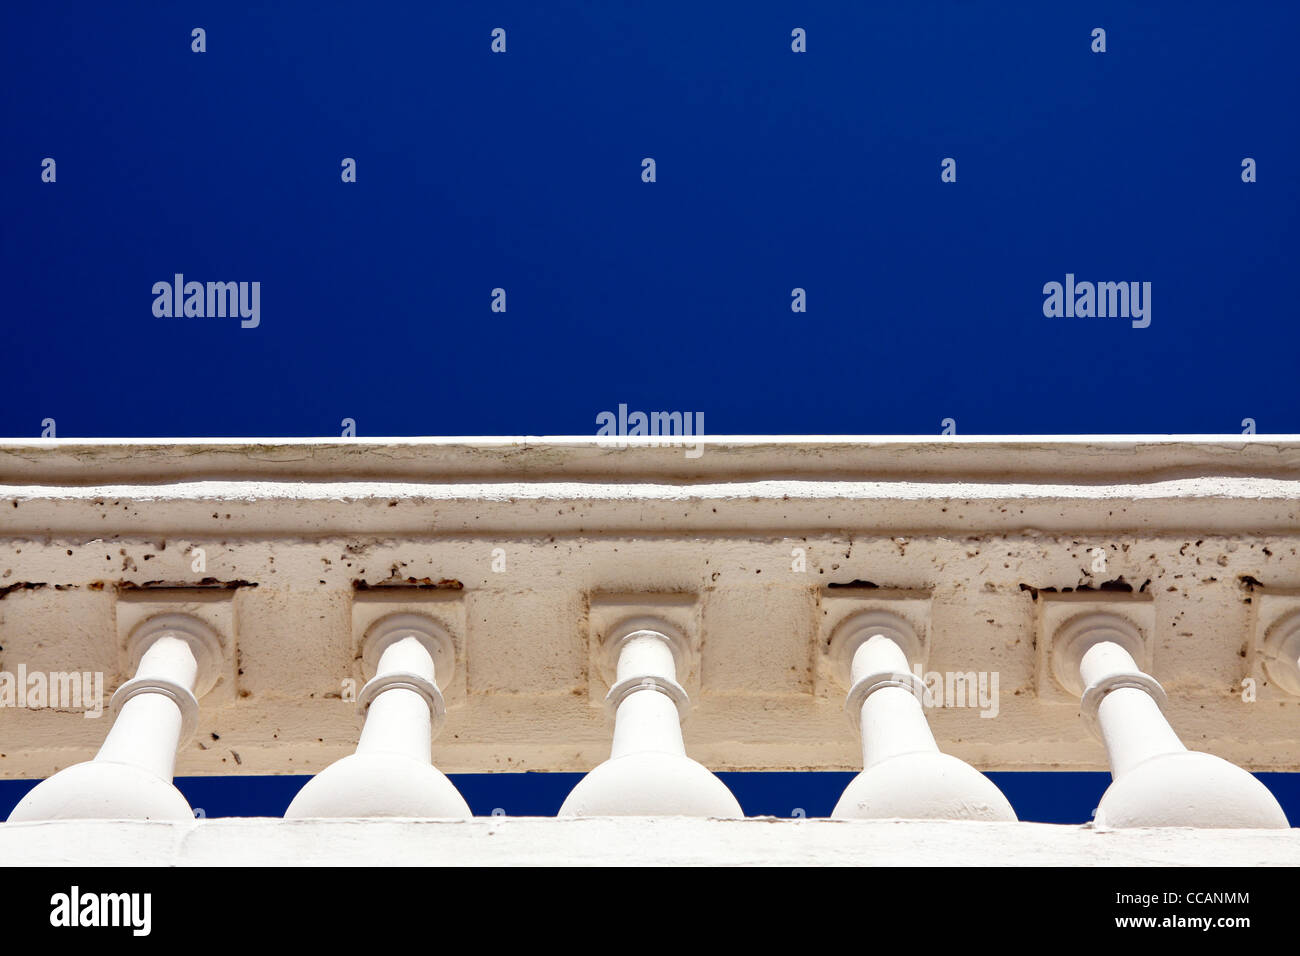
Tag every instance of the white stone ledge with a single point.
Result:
(258, 509)
(1205, 528)
(1062, 458)
(758, 484)
(630, 841)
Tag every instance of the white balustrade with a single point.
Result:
(648, 772)
(178, 659)
(904, 774)
(391, 774)
(1157, 781)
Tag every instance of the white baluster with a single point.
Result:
(904, 772)
(648, 772)
(1157, 782)
(155, 712)
(391, 773)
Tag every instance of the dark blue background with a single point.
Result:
(775, 170)
(522, 170)
(1060, 797)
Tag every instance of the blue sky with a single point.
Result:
(1058, 797)
(522, 171)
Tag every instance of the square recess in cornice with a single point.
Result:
(840, 605)
(1056, 613)
(1276, 623)
(444, 607)
(213, 606)
(611, 610)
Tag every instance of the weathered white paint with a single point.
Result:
(904, 774)
(131, 775)
(648, 772)
(632, 841)
(1206, 529)
(250, 508)
(1095, 458)
(1280, 652)
(390, 775)
(1157, 782)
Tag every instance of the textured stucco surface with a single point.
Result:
(630, 841)
(1197, 531)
